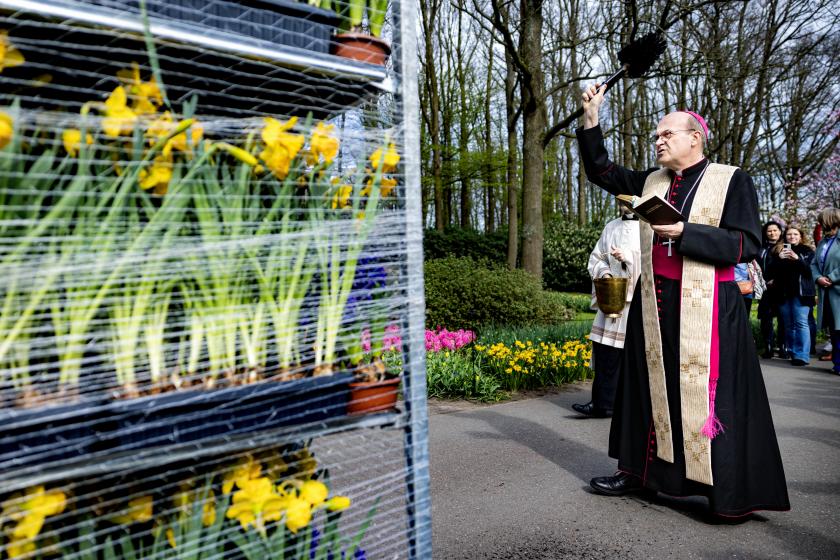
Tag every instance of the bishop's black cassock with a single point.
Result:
(746, 463)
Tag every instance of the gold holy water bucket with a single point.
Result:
(611, 294)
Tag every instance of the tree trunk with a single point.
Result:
(489, 184)
(429, 11)
(534, 127)
(513, 191)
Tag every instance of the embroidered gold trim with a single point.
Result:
(696, 305)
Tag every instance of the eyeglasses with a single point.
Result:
(667, 134)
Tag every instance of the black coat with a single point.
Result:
(792, 278)
(746, 463)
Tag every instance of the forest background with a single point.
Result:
(496, 76)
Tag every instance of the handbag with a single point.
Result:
(747, 286)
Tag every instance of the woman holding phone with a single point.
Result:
(793, 279)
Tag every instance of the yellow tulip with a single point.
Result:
(6, 129)
(72, 140)
(9, 55)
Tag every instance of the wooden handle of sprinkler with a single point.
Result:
(610, 82)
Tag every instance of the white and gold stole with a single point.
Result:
(696, 308)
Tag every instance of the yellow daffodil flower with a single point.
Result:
(170, 536)
(298, 514)
(7, 129)
(9, 55)
(19, 548)
(388, 186)
(314, 492)
(338, 503)
(184, 500)
(388, 160)
(164, 125)
(281, 147)
(157, 178)
(31, 510)
(145, 95)
(341, 198)
(323, 143)
(72, 140)
(242, 155)
(276, 466)
(182, 143)
(305, 463)
(119, 118)
(41, 80)
(256, 502)
(244, 470)
(139, 510)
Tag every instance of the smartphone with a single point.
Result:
(786, 245)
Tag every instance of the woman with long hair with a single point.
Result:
(792, 277)
(825, 269)
(768, 305)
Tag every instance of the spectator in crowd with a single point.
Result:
(792, 275)
(825, 269)
(769, 306)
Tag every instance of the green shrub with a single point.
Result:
(559, 333)
(456, 242)
(465, 294)
(566, 255)
(576, 302)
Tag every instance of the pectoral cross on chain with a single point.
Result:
(668, 243)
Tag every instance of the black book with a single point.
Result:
(653, 209)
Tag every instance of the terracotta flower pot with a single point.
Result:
(361, 47)
(373, 396)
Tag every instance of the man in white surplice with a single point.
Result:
(616, 254)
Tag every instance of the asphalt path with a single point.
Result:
(510, 480)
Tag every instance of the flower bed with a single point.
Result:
(499, 362)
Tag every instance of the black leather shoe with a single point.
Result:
(590, 410)
(617, 485)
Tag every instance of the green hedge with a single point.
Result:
(462, 293)
(566, 255)
(455, 242)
